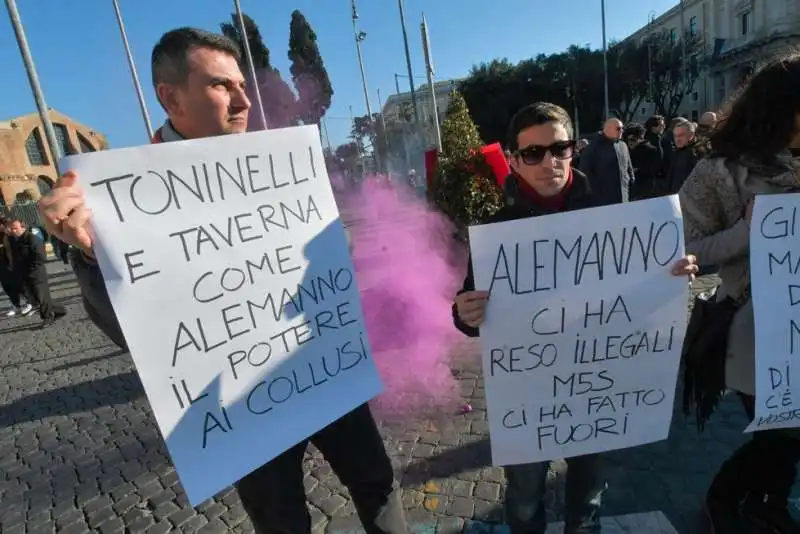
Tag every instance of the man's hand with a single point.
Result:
(65, 214)
(471, 307)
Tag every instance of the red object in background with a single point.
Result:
(496, 159)
(431, 160)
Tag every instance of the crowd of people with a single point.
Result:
(198, 81)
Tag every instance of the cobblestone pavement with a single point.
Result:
(80, 452)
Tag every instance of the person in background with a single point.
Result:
(199, 82)
(655, 126)
(607, 163)
(706, 124)
(29, 267)
(8, 281)
(543, 182)
(60, 249)
(689, 149)
(646, 160)
(754, 151)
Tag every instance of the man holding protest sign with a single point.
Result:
(199, 83)
(543, 182)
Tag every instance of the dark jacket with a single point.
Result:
(608, 164)
(655, 139)
(648, 169)
(580, 196)
(681, 165)
(28, 257)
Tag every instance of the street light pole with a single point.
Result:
(360, 36)
(33, 78)
(408, 59)
(606, 108)
(250, 65)
(138, 86)
(426, 48)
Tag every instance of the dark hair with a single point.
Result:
(761, 120)
(635, 130)
(534, 115)
(654, 121)
(170, 62)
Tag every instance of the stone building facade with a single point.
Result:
(737, 35)
(27, 167)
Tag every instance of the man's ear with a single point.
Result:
(168, 98)
(514, 163)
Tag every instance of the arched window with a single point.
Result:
(62, 138)
(35, 148)
(44, 184)
(86, 146)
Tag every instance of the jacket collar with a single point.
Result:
(167, 134)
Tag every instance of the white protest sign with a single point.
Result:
(775, 290)
(583, 331)
(228, 269)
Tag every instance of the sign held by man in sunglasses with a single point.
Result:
(583, 328)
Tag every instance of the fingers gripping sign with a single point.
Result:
(65, 214)
(471, 307)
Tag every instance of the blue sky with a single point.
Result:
(82, 67)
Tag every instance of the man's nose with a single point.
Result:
(239, 99)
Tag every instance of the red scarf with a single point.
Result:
(553, 203)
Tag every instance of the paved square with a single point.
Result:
(81, 452)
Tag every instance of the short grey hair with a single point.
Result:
(169, 61)
(687, 125)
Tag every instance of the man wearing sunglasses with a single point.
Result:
(607, 163)
(543, 182)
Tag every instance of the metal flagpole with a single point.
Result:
(606, 108)
(426, 48)
(134, 75)
(251, 66)
(408, 60)
(33, 78)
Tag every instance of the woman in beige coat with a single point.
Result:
(753, 152)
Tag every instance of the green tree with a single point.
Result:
(280, 104)
(310, 78)
(464, 187)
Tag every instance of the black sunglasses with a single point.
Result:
(533, 155)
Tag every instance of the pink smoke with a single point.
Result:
(408, 269)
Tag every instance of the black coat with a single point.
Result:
(580, 196)
(608, 164)
(681, 165)
(28, 258)
(648, 169)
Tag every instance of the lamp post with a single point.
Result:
(401, 6)
(250, 65)
(426, 48)
(651, 18)
(33, 78)
(606, 107)
(359, 37)
(138, 86)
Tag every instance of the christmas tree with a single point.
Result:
(463, 187)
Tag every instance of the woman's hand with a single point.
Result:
(686, 266)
